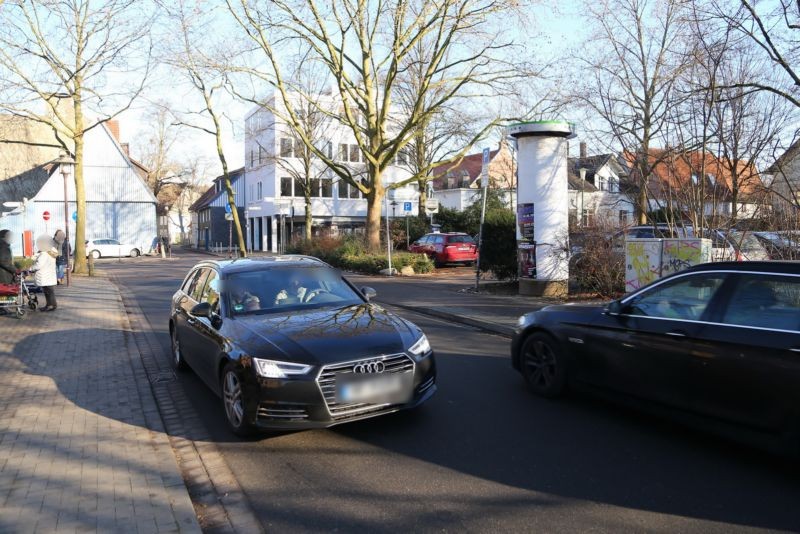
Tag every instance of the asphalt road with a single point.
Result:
(485, 455)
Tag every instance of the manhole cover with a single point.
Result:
(162, 377)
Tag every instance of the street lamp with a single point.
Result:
(582, 172)
(66, 165)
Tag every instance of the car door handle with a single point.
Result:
(676, 333)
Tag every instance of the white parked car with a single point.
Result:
(105, 248)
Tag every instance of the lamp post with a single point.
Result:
(583, 181)
(66, 165)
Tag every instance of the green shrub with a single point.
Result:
(499, 248)
(350, 253)
(23, 264)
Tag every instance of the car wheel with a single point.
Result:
(134, 253)
(177, 354)
(95, 254)
(233, 402)
(543, 365)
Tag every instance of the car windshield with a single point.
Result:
(746, 242)
(461, 239)
(282, 289)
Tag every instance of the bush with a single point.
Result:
(596, 266)
(499, 248)
(23, 264)
(350, 253)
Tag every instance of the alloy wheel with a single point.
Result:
(232, 396)
(541, 362)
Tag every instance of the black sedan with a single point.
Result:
(288, 343)
(719, 342)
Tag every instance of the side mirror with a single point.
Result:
(202, 310)
(368, 293)
(614, 307)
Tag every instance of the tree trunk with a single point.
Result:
(308, 216)
(80, 266)
(374, 200)
(423, 195)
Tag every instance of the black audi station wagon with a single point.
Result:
(718, 342)
(289, 343)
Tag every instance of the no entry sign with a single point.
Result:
(46, 215)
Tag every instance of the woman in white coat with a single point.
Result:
(44, 269)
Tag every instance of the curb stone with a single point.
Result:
(219, 502)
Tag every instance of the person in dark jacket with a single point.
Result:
(7, 269)
(64, 252)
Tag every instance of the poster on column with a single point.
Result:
(525, 222)
(526, 258)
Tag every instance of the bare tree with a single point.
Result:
(627, 83)
(773, 28)
(205, 67)
(365, 47)
(56, 58)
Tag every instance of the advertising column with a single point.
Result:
(542, 198)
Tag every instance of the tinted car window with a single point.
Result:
(187, 284)
(439, 239)
(766, 302)
(683, 298)
(211, 290)
(276, 290)
(460, 239)
(197, 286)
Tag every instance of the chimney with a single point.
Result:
(113, 127)
(126, 148)
(583, 150)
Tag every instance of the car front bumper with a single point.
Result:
(297, 404)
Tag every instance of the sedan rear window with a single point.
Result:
(766, 302)
(274, 290)
(460, 239)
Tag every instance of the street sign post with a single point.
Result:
(485, 168)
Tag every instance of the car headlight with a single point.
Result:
(521, 320)
(276, 369)
(421, 347)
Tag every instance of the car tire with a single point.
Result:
(178, 363)
(95, 254)
(134, 253)
(543, 365)
(233, 401)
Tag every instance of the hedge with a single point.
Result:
(350, 253)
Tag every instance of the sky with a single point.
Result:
(553, 24)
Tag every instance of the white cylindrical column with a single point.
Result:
(542, 206)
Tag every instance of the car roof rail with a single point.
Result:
(301, 257)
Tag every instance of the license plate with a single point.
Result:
(379, 389)
(463, 248)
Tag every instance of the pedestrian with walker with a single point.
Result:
(7, 268)
(44, 270)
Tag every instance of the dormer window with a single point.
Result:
(712, 179)
(694, 179)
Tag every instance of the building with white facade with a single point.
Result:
(275, 174)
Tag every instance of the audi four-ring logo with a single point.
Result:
(369, 367)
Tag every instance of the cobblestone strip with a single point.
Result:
(220, 503)
(81, 446)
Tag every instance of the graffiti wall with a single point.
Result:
(646, 260)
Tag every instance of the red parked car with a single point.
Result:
(442, 248)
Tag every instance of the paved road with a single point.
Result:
(485, 455)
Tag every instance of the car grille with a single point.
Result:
(280, 412)
(395, 363)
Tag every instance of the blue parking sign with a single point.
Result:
(406, 206)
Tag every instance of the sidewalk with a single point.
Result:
(82, 446)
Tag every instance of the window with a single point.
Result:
(287, 147)
(355, 153)
(694, 179)
(343, 152)
(286, 186)
(684, 298)
(601, 183)
(211, 291)
(712, 179)
(252, 157)
(259, 191)
(326, 189)
(353, 191)
(299, 187)
(765, 302)
(328, 149)
(315, 187)
(197, 286)
(190, 280)
(623, 217)
(260, 154)
(402, 158)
